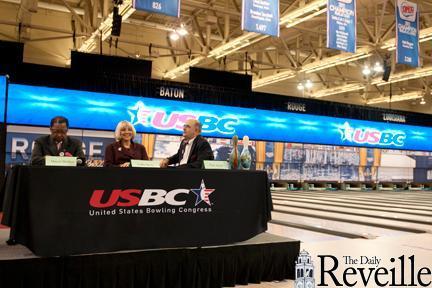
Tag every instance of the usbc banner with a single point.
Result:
(31, 105)
(261, 16)
(342, 25)
(166, 7)
(407, 33)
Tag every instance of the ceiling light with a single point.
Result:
(396, 98)
(273, 78)
(184, 68)
(174, 36)
(338, 90)
(336, 60)
(398, 77)
(308, 84)
(424, 35)
(366, 71)
(378, 68)
(406, 75)
(300, 87)
(182, 31)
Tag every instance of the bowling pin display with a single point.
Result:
(234, 156)
(245, 156)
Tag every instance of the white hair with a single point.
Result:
(120, 126)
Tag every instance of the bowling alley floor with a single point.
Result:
(371, 223)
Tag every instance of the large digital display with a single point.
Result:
(30, 105)
(2, 96)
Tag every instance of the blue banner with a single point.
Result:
(31, 105)
(342, 25)
(407, 33)
(261, 16)
(166, 7)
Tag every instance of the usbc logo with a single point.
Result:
(148, 197)
(371, 136)
(161, 120)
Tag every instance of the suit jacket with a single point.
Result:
(199, 152)
(45, 146)
(116, 154)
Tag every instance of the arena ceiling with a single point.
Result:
(215, 40)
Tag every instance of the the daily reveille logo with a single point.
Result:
(150, 201)
(158, 118)
(371, 136)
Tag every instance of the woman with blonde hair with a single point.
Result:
(123, 150)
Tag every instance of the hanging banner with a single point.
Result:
(407, 35)
(261, 16)
(166, 7)
(342, 25)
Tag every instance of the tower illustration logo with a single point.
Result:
(304, 271)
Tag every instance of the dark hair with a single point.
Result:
(60, 120)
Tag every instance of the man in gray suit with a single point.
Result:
(57, 144)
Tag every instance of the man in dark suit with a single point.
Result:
(57, 144)
(194, 149)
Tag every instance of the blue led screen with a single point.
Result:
(30, 105)
(2, 96)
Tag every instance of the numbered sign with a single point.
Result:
(166, 7)
(261, 16)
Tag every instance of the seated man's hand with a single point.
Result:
(164, 163)
(126, 164)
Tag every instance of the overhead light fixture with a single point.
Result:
(397, 77)
(366, 70)
(291, 18)
(308, 84)
(174, 36)
(378, 68)
(273, 78)
(319, 65)
(318, 6)
(396, 98)
(404, 76)
(104, 30)
(338, 90)
(422, 102)
(336, 60)
(424, 35)
(182, 31)
(297, 21)
(300, 86)
(236, 44)
(183, 69)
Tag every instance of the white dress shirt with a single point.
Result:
(186, 153)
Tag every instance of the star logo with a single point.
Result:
(139, 114)
(202, 194)
(346, 132)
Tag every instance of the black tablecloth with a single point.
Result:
(57, 211)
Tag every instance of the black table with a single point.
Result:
(58, 211)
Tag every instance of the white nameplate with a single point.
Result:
(145, 163)
(60, 161)
(208, 164)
